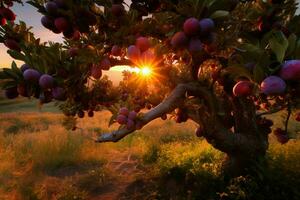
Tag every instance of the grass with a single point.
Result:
(41, 160)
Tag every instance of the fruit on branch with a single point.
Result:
(117, 10)
(116, 50)
(22, 90)
(31, 75)
(62, 24)
(51, 8)
(12, 44)
(132, 115)
(2, 21)
(80, 114)
(281, 135)
(207, 25)
(164, 117)
(148, 57)
(130, 124)
(105, 64)
(133, 53)
(243, 88)
(7, 14)
(59, 93)
(273, 85)
(11, 93)
(61, 3)
(91, 113)
(76, 35)
(191, 27)
(142, 43)
(124, 111)
(47, 22)
(122, 119)
(195, 45)
(179, 40)
(96, 72)
(46, 81)
(290, 70)
(24, 67)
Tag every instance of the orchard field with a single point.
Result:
(149, 99)
(39, 159)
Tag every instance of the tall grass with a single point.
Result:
(41, 160)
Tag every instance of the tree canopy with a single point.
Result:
(221, 63)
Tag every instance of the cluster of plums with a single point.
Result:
(272, 85)
(57, 20)
(96, 70)
(140, 52)
(48, 89)
(195, 33)
(128, 118)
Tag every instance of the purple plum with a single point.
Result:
(24, 67)
(132, 115)
(179, 40)
(133, 53)
(121, 119)
(273, 85)
(207, 25)
(51, 8)
(31, 75)
(124, 111)
(47, 22)
(11, 93)
(59, 93)
(290, 70)
(195, 45)
(142, 43)
(46, 81)
(191, 26)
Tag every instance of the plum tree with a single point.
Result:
(223, 64)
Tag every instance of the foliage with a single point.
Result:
(236, 61)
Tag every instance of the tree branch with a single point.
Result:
(173, 101)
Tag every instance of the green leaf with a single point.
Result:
(16, 55)
(219, 14)
(297, 50)
(237, 71)
(292, 44)
(258, 73)
(4, 75)
(8, 84)
(279, 45)
(11, 73)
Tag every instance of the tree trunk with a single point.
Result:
(241, 164)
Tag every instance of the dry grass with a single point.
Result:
(39, 159)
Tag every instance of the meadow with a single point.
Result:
(39, 159)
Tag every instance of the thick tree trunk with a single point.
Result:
(239, 164)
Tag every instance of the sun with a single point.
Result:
(145, 71)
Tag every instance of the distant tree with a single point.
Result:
(223, 64)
